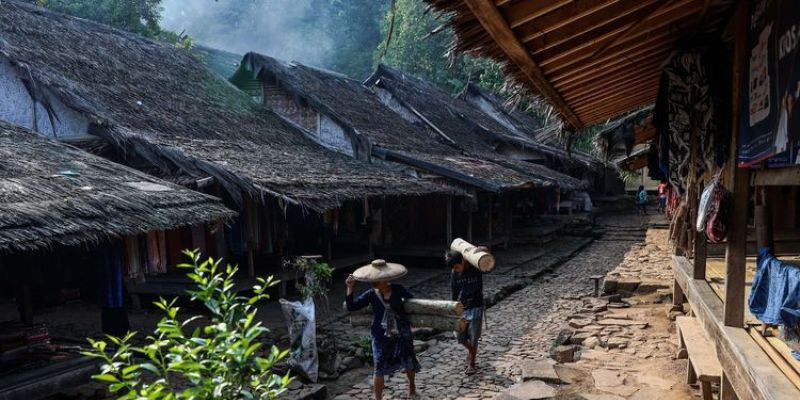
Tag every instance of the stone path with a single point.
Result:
(521, 327)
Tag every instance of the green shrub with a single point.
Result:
(223, 358)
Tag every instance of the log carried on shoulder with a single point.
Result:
(438, 322)
(423, 307)
(480, 259)
(437, 314)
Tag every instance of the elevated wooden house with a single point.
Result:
(346, 116)
(154, 107)
(724, 83)
(67, 217)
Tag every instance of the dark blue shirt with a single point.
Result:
(467, 287)
(395, 301)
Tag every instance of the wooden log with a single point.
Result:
(424, 307)
(480, 259)
(437, 322)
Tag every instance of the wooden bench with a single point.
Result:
(703, 363)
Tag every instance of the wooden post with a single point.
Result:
(726, 391)
(763, 218)
(449, 227)
(677, 296)
(740, 186)
(699, 271)
(249, 242)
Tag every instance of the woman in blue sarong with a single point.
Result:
(392, 342)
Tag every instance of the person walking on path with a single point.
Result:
(466, 283)
(663, 192)
(641, 201)
(392, 341)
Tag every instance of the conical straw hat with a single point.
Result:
(378, 271)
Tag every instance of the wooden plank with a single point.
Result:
(735, 253)
(701, 351)
(788, 176)
(663, 7)
(773, 354)
(580, 98)
(591, 26)
(615, 74)
(632, 105)
(785, 352)
(494, 24)
(750, 372)
(519, 14)
(612, 102)
(526, 11)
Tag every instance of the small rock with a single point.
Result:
(420, 346)
(674, 315)
(605, 378)
(532, 390)
(580, 323)
(617, 343)
(591, 342)
(580, 337)
(541, 370)
(564, 354)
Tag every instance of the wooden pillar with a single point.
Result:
(740, 186)
(449, 227)
(250, 243)
(765, 236)
(699, 271)
(726, 391)
(677, 296)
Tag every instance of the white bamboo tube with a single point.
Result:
(480, 259)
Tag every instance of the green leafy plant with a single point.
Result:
(317, 277)
(365, 344)
(222, 358)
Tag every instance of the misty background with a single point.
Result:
(341, 35)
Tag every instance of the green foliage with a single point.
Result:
(317, 277)
(224, 358)
(365, 344)
(414, 50)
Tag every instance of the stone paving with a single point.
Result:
(521, 327)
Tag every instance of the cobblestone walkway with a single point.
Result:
(521, 327)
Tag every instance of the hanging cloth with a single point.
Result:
(133, 258)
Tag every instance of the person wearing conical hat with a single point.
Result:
(392, 342)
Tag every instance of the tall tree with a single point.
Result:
(140, 16)
(414, 50)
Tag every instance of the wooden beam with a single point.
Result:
(632, 105)
(610, 100)
(588, 92)
(621, 65)
(765, 235)
(618, 103)
(616, 74)
(494, 24)
(788, 176)
(591, 26)
(449, 221)
(648, 48)
(566, 15)
(526, 11)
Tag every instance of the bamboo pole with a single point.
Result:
(437, 322)
(423, 307)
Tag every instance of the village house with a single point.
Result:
(74, 226)
(348, 117)
(722, 75)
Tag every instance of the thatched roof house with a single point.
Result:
(55, 194)
(164, 112)
(353, 120)
(466, 124)
(531, 133)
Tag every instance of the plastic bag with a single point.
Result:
(705, 203)
(301, 320)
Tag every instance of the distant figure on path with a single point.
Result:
(466, 283)
(392, 342)
(663, 191)
(641, 201)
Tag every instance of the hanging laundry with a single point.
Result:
(775, 295)
(133, 258)
(156, 253)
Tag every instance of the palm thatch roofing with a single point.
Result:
(592, 60)
(530, 132)
(463, 123)
(55, 194)
(382, 132)
(224, 63)
(157, 103)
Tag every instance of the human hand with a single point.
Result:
(350, 282)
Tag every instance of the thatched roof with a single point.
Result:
(224, 63)
(469, 127)
(385, 133)
(617, 139)
(156, 102)
(55, 194)
(591, 60)
(531, 132)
